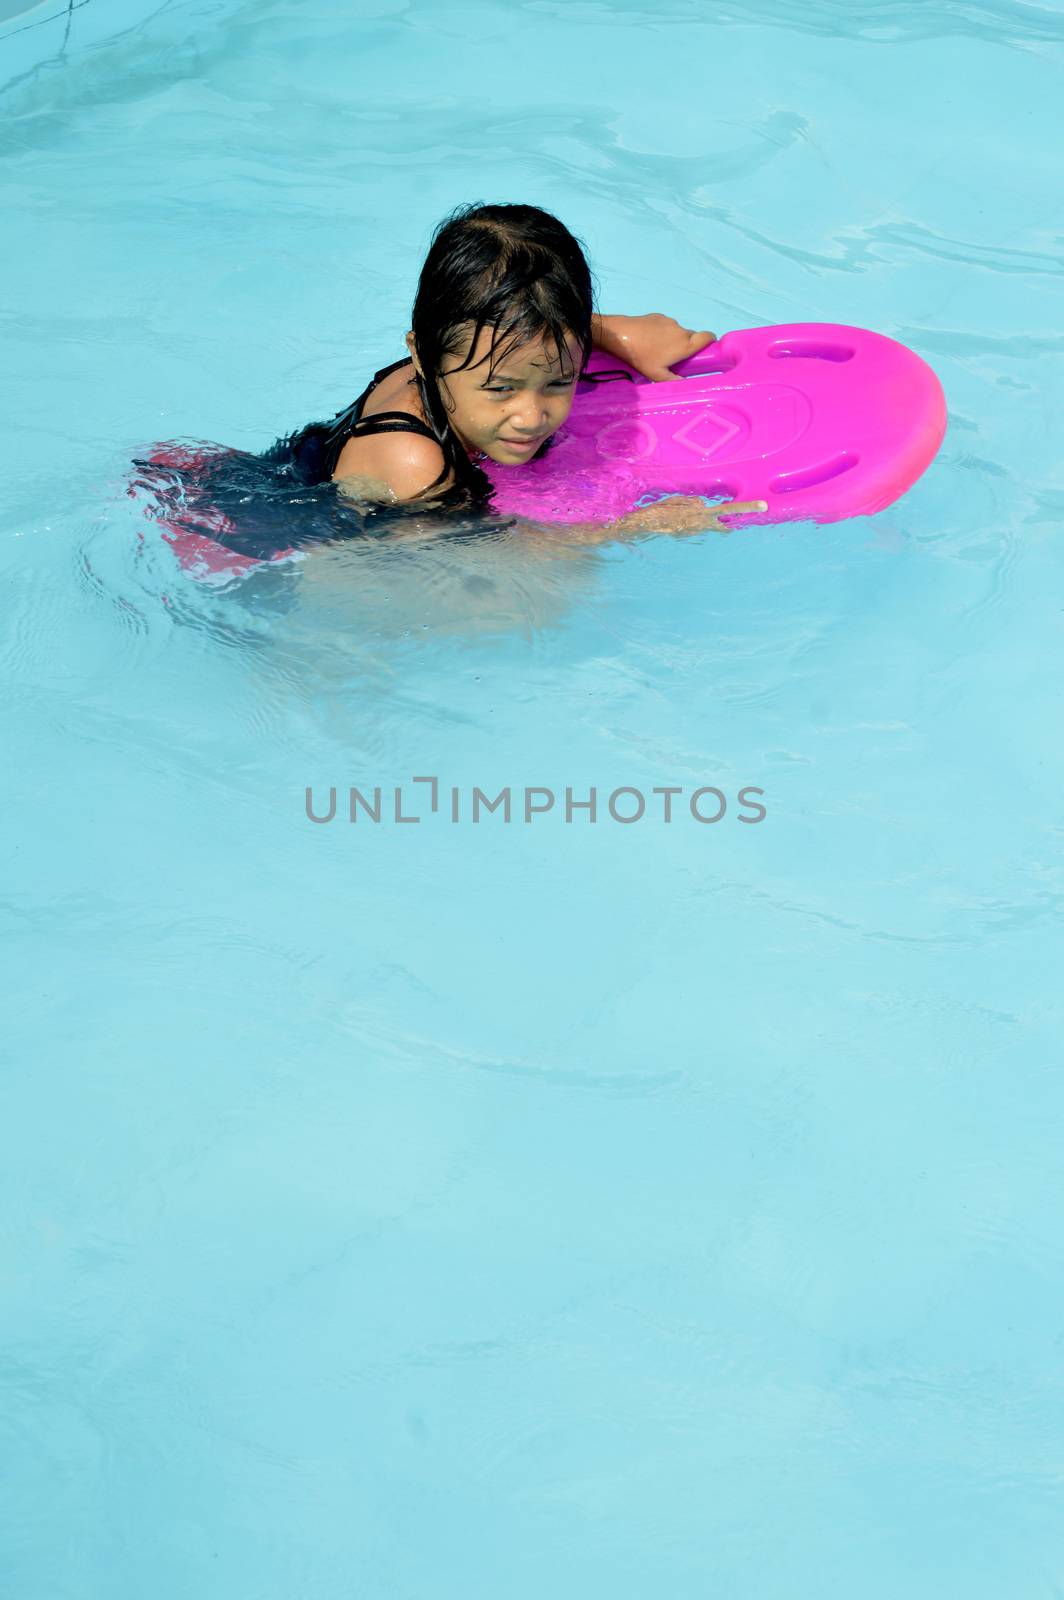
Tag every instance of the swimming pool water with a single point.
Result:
(595, 1209)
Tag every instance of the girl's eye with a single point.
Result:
(557, 383)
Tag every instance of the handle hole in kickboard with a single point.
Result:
(809, 477)
(706, 368)
(811, 349)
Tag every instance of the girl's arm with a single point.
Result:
(652, 343)
(676, 513)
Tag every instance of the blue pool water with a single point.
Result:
(448, 1210)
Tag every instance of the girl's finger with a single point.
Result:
(735, 508)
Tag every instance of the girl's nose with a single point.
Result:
(531, 417)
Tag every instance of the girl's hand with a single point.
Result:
(651, 343)
(676, 513)
(686, 513)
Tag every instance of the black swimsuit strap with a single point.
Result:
(391, 421)
(394, 422)
(388, 421)
(404, 361)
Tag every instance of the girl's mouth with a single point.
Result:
(523, 445)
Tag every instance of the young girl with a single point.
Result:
(501, 329)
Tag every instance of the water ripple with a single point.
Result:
(1006, 22)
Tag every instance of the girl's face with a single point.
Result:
(509, 412)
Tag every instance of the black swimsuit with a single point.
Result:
(316, 450)
(261, 504)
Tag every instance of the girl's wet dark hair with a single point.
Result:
(512, 268)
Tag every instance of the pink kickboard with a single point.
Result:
(821, 420)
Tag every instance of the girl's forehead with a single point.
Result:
(539, 355)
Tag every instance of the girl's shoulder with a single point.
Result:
(403, 465)
(391, 443)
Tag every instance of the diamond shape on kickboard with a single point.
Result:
(706, 433)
